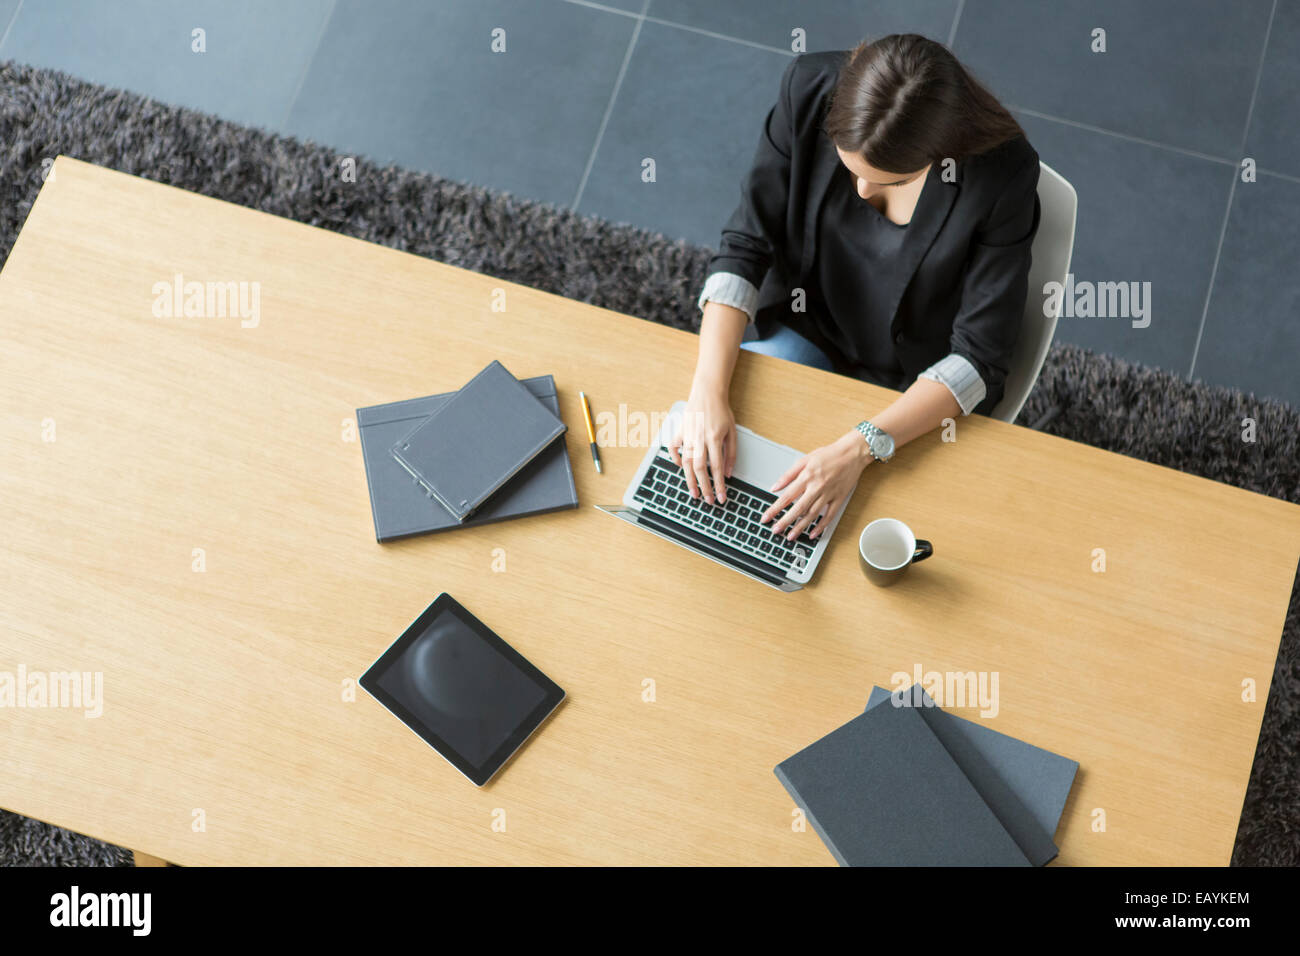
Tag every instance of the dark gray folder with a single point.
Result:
(401, 507)
(477, 440)
(1025, 786)
(882, 791)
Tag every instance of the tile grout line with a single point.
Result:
(956, 19)
(13, 18)
(680, 26)
(1232, 191)
(1118, 135)
(1214, 273)
(306, 70)
(1276, 175)
(601, 6)
(609, 107)
(720, 36)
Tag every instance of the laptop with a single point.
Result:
(658, 501)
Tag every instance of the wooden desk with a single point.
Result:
(223, 699)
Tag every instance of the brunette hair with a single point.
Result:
(905, 101)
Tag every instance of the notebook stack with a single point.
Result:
(492, 450)
(907, 784)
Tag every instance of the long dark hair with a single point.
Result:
(904, 101)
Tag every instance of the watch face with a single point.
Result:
(882, 446)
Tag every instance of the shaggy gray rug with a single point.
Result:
(1090, 398)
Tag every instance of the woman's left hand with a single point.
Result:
(817, 484)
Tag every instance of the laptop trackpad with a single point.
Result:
(762, 462)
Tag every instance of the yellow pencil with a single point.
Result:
(591, 430)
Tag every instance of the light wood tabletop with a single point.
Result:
(185, 512)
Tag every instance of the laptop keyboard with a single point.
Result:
(734, 522)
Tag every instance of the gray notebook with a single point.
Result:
(1025, 786)
(477, 440)
(882, 791)
(401, 507)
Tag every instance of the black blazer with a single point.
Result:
(962, 276)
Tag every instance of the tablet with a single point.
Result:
(470, 695)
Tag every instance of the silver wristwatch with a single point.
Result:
(879, 442)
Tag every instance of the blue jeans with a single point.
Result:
(784, 342)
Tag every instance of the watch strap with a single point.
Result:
(869, 432)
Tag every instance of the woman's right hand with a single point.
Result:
(706, 442)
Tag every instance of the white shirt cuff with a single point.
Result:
(727, 288)
(956, 372)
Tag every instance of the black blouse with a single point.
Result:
(856, 246)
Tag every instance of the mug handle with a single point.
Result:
(923, 550)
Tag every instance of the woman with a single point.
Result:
(883, 232)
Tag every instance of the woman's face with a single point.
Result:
(872, 181)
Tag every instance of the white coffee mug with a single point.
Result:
(887, 548)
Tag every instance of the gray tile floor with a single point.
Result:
(1151, 132)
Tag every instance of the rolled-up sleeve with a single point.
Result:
(956, 372)
(727, 288)
(996, 284)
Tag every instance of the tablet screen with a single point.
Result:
(458, 685)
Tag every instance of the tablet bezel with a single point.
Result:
(444, 603)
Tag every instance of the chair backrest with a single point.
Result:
(1052, 249)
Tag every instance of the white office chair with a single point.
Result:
(1052, 249)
